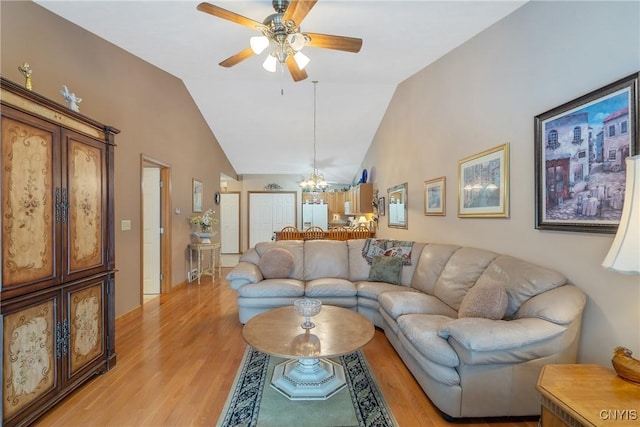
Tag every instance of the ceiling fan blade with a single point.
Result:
(347, 44)
(238, 57)
(298, 10)
(229, 16)
(296, 73)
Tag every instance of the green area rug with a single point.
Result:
(253, 402)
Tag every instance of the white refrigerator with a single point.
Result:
(315, 215)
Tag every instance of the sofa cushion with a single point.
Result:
(273, 288)
(276, 263)
(403, 302)
(487, 301)
(422, 331)
(330, 287)
(326, 258)
(461, 272)
(385, 269)
(358, 266)
(433, 259)
(440, 373)
(521, 279)
(372, 290)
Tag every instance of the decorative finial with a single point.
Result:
(71, 98)
(26, 71)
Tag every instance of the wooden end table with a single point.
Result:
(587, 395)
(310, 374)
(214, 253)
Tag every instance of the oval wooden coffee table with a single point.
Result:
(310, 375)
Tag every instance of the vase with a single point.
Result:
(205, 237)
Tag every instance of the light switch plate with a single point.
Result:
(126, 225)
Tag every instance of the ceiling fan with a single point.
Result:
(282, 31)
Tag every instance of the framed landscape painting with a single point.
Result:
(434, 196)
(483, 184)
(580, 153)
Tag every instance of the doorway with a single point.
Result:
(155, 234)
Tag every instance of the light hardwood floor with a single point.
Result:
(178, 356)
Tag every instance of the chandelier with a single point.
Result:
(287, 39)
(315, 181)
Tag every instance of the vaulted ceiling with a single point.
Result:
(264, 121)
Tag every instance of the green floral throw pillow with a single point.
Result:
(386, 269)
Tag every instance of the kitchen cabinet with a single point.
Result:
(359, 198)
(58, 264)
(336, 201)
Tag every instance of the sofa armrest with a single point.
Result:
(243, 273)
(561, 305)
(488, 341)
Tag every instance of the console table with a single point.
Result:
(200, 249)
(587, 395)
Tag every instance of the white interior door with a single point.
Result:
(260, 218)
(151, 232)
(230, 223)
(284, 210)
(269, 212)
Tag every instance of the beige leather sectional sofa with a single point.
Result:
(474, 327)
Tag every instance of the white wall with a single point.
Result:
(486, 93)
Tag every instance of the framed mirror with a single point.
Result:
(397, 212)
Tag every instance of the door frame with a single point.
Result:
(165, 224)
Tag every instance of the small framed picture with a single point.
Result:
(483, 184)
(381, 206)
(197, 195)
(580, 153)
(434, 196)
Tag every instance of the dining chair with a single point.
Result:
(338, 233)
(313, 233)
(361, 232)
(290, 233)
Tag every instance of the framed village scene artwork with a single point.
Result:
(580, 153)
(483, 184)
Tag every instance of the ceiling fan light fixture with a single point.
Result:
(258, 44)
(283, 29)
(270, 63)
(301, 59)
(297, 41)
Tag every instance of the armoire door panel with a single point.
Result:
(31, 194)
(85, 200)
(86, 317)
(31, 351)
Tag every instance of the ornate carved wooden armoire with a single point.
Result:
(57, 261)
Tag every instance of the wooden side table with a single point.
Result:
(587, 395)
(214, 255)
